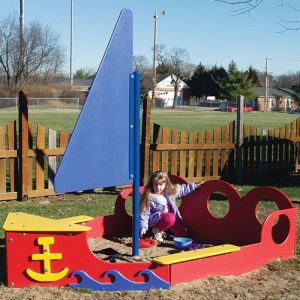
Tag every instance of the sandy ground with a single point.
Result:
(120, 249)
(266, 283)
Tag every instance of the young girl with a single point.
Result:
(158, 209)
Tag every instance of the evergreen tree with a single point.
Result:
(83, 74)
(236, 84)
(296, 94)
(218, 75)
(205, 82)
(252, 75)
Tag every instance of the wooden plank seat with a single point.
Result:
(195, 254)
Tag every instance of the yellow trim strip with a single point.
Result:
(195, 254)
(18, 221)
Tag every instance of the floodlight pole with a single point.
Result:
(71, 45)
(156, 14)
(21, 34)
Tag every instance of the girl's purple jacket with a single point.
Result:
(151, 214)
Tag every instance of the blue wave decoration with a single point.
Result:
(120, 282)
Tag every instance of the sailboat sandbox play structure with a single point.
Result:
(49, 252)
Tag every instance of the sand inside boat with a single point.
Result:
(119, 249)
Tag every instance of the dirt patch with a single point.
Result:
(265, 283)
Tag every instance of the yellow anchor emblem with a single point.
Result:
(46, 256)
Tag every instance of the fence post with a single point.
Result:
(297, 144)
(145, 141)
(240, 138)
(23, 146)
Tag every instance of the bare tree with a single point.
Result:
(42, 54)
(287, 80)
(244, 6)
(174, 63)
(141, 65)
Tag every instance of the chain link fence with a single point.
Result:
(41, 104)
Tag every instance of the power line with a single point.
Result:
(283, 59)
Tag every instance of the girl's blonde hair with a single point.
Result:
(171, 188)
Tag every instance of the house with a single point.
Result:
(165, 90)
(279, 99)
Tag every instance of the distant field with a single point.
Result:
(203, 120)
(180, 119)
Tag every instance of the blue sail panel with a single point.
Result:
(98, 151)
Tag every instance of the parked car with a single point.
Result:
(245, 108)
(295, 111)
(233, 108)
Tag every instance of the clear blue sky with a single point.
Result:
(205, 28)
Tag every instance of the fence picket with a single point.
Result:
(231, 154)
(165, 153)
(281, 147)
(174, 153)
(208, 141)
(156, 154)
(2, 162)
(13, 162)
(199, 171)
(246, 148)
(293, 146)
(30, 159)
(215, 161)
(63, 139)
(287, 143)
(40, 164)
(191, 158)
(51, 159)
(263, 158)
(276, 147)
(224, 152)
(182, 155)
(258, 134)
(270, 149)
(297, 150)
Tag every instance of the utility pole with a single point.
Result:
(156, 14)
(21, 45)
(71, 45)
(266, 87)
(240, 137)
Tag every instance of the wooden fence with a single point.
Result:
(8, 162)
(28, 160)
(194, 156)
(272, 150)
(44, 152)
(213, 154)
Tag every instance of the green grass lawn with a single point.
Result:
(203, 120)
(183, 120)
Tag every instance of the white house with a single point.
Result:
(164, 93)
